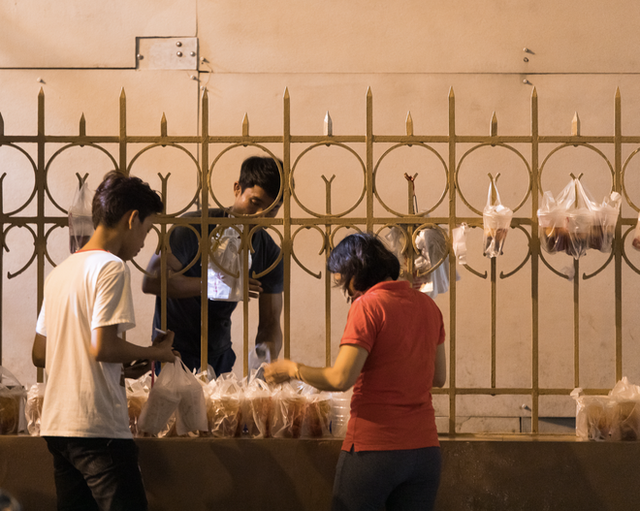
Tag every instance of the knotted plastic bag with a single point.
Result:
(80, 219)
(12, 401)
(33, 408)
(459, 243)
(432, 245)
(226, 272)
(496, 221)
(137, 395)
(225, 401)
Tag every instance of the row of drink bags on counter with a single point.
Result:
(613, 417)
(180, 403)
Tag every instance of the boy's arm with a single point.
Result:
(106, 346)
(39, 350)
(178, 286)
(269, 331)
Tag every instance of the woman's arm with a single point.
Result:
(340, 377)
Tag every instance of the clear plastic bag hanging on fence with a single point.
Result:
(496, 220)
(225, 274)
(80, 219)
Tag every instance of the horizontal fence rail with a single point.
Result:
(447, 148)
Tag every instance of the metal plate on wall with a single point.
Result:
(167, 52)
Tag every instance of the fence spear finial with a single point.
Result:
(409, 124)
(575, 126)
(494, 125)
(328, 125)
(163, 125)
(245, 125)
(83, 126)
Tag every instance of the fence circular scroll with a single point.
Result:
(386, 153)
(624, 188)
(274, 204)
(322, 249)
(295, 164)
(193, 159)
(485, 144)
(35, 172)
(415, 234)
(11, 275)
(57, 153)
(564, 146)
(252, 250)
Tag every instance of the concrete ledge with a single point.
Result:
(494, 473)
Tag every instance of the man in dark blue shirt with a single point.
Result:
(256, 190)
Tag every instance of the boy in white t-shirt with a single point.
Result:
(87, 306)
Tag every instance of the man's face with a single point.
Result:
(137, 234)
(253, 201)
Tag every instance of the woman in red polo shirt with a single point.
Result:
(392, 350)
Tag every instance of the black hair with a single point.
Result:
(118, 194)
(363, 258)
(261, 171)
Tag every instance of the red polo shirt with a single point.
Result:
(391, 407)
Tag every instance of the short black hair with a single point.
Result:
(363, 258)
(263, 172)
(118, 194)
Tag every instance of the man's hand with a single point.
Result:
(136, 369)
(163, 346)
(255, 288)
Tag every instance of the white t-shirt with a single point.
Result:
(84, 398)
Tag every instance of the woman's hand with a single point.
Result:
(280, 371)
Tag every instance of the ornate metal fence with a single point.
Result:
(447, 151)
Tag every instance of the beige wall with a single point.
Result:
(328, 53)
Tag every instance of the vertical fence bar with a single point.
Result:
(287, 247)
(204, 236)
(123, 133)
(617, 241)
(535, 260)
(40, 191)
(576, 322)
(452, 264)
(369, 142)
(327, 275)
(1, 253)
(494, 302)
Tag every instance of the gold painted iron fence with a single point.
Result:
(450, 150)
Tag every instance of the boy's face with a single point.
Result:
(253, 201)
(137, 233)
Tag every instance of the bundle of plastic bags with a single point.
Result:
(573, 222)
(496, 219)
(175, 391)
(137, 395)
(225, 402)
(80, 219)
(611, 418)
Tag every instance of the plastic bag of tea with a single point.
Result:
(80, 219)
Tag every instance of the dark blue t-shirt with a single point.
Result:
(183, 314)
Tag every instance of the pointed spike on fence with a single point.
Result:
(286, 93)
(83, 126)
(494, 125)
(617, 93)
(534, 92)
(409, 124)
(328, 125)
(451, 93)
(369, 93)
(245, 125)
(122, 94)
(575, 126)
(41, 93)
(163, 125)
